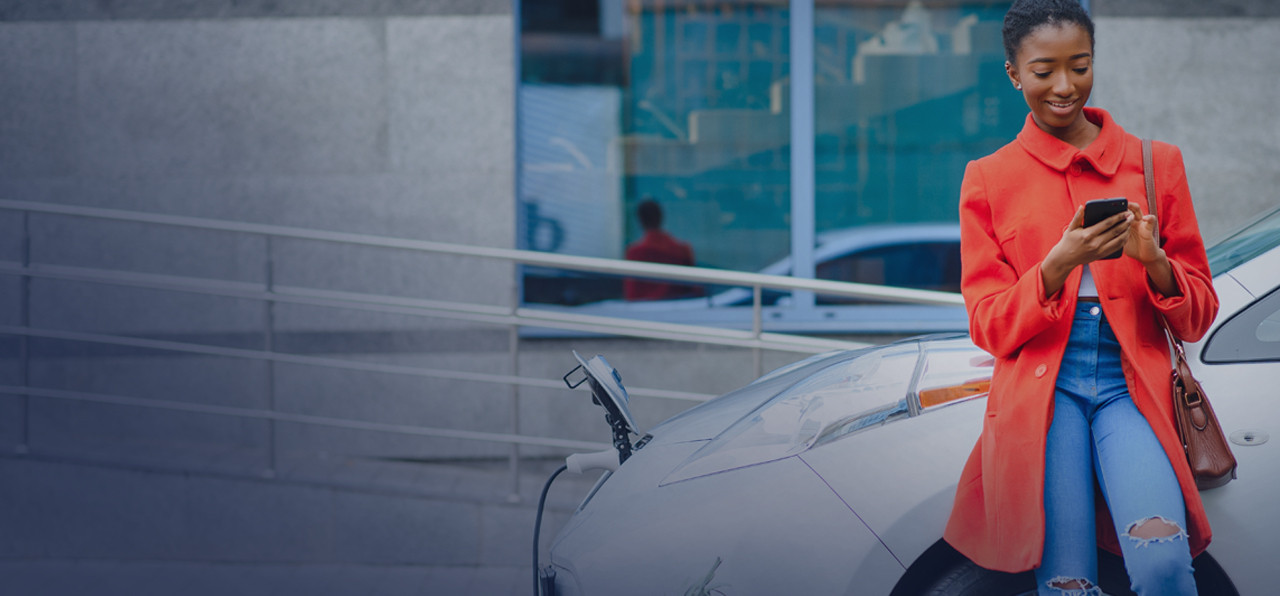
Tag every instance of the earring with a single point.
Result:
(1017, 86)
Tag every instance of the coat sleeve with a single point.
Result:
(1006, 309)
(1190, 314)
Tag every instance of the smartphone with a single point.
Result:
(1100, 209)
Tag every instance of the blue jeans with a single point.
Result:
(1097, 429)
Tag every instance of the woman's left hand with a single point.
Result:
(1142, 238)
(1142, 246)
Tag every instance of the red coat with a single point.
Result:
(1014, 206)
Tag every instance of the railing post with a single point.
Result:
(269, 345)
(757, 327)
(24, 341)
(513, 347)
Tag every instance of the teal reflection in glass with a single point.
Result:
(707, 133)
(687, 102)
(905, 95)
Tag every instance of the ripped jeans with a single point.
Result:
(1097, 429)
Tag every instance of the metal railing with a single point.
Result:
(513, 316)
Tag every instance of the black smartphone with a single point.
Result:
(1100, 209)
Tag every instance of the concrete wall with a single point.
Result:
(1184, 71)
(1205, 85)
(1172, 9)
(274, 113)
(393, 118)
(395, 126)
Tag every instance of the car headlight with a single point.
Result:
(877, 387)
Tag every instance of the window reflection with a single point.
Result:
(925, 266)
(706, 132)
(687, 102)
(906, 94)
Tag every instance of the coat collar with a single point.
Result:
(1103, 154)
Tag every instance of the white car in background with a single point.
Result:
(835, 475)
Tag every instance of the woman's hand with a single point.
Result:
(1080, 245)
(1142, 240)
(1142, 246)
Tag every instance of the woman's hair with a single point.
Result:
(1026, 15)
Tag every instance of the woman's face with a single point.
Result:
(1054, 71)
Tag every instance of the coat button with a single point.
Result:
(1076, 170)
(1040, 370)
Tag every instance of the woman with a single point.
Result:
(1081, 387)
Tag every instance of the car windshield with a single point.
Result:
(1247, 243)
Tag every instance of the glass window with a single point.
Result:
(906, 94)
(1252, 335)
(707, 136)
(928, 266)
(678, 105)
(685, 103)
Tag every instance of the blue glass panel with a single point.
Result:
(904, 98)
(691, 107)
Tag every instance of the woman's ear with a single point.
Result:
(1013, 75)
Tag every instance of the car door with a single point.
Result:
(1238, 363)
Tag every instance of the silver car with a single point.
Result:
(836, 474)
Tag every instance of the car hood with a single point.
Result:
(708, 419)
(823, 399)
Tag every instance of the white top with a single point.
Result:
(1087, 287)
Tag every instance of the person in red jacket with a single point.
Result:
(1080, 393)
(656, 246)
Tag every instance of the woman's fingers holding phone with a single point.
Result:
(1080, 245)
(1107, 238)
(1119, 221)
(1076, 223)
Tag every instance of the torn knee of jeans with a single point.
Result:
(1068, 586)
(1154, 530)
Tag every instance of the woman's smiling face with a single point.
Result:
(1054, 71)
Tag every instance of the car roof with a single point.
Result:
(833, 243)
(891, 233)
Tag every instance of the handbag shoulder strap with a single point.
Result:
(1148, 175)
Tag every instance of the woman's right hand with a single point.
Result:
(1080, 245)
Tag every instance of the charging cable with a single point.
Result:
(537, 526)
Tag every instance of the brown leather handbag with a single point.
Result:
(1208, 453)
